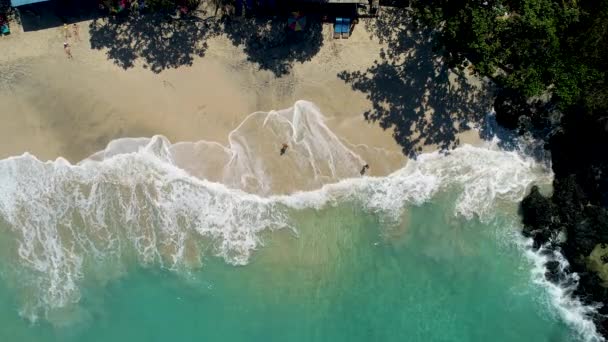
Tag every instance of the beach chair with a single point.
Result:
(4, 28)
(345, 28)
(338, 28)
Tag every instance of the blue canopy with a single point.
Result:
(16, 3)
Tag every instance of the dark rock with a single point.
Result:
(510, 106)
(578, 205)
(537, 212)
(553, 273)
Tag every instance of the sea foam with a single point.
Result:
(570, 309)
(63, 215)
(135, 200)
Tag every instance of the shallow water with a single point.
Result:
(346, 277)
(130, 245)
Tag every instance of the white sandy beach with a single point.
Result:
(53, 106)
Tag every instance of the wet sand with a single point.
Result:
(53, 106)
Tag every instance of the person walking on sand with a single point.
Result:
(76, 31)
(66, 48)
(66, 31)
(363, 169)
(284, 148)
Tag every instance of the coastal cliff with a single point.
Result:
(576, 210)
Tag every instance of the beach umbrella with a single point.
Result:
(296, 22)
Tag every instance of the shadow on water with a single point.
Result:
(164, 41)
(413, 91)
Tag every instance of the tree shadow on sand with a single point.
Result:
(160, 40)
(271, 45)
(164, 42)
(413, 91)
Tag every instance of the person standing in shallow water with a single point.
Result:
(363, 169)
(284, 148)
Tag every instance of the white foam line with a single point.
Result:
(571, 310)
(321, 122)
(37, 199)
(482, 172)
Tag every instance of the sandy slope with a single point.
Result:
(52, 106)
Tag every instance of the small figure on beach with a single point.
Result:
(76, 33)
(66, 31)
(284, 148)
(66, 48)
(363, 169)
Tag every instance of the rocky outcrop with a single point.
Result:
(577, 209)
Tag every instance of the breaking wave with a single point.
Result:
(570, 309)
(161, 205)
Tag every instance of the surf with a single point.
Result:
(139, 201)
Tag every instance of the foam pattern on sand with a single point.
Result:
(251, 161)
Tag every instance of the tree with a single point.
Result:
(530, 46)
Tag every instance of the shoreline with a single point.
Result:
(384, 196)
(74, 108)
(392, 192)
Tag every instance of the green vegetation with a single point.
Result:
(167, 4)
(549, 59)
(154, 5)
(529, 46)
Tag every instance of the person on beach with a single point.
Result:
(363, 169)
(284, 148)
(66, 48)
(66, 31)
(76, 29)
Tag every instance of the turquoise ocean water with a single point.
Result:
(431, 253)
